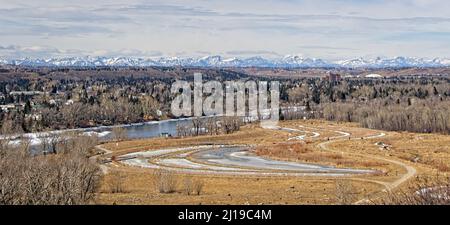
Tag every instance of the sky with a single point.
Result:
(326, 29)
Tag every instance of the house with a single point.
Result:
(52, 102)
(27, 93)
(35, 116)
(69, 102)
(9, 107)
(166, 135)
(6, 108)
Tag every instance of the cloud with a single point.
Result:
(252, 52)
(320, 28)
(125, 53)
(165, 9)
(324, 47)
(15, 52)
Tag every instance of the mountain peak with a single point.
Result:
(288, 61)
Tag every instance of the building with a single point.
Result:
(373, 75)
(26, 93)
(9, 107)
(333, 77)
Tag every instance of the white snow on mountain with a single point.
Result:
(298, 61)
(397, 62)
(289, 61)
(445, 62)
(359, 62)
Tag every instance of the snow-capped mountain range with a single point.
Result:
(289, 61)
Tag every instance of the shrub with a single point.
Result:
(165, 181)
(345, 192)
(116, 182)
(424, 191)
(198, 187)
(188, 185)
(58, 179)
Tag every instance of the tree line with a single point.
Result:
(409, 104)
(93, 100)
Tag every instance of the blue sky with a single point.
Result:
(338, 29)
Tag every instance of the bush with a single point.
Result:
(345, 192)
(65, 178)
(192, 186)
(198, 187)
(165, 181)
(188, 185)
(116, 182)
(424, 191)
(60, 179)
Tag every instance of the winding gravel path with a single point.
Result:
(237, 160)
(227, 160)
(388, 186)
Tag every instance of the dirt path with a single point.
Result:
(105, 151)
(101, 148)
(388, 186)
(228, 160)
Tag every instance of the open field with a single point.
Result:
(396, 157)
(139, 189)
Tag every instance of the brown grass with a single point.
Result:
(231, 190)
(432, 150)
(305, 151)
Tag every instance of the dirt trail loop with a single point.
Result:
(292, 130)
(226, 160)
(388, 186)
(232, 160)
(104, 151)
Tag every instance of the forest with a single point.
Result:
(62, 99)
(410, 104)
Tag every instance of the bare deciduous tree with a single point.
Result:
(63, 179)
(119, 133)
(116, 182)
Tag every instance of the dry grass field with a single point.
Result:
(393, 155)
(139, 188)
